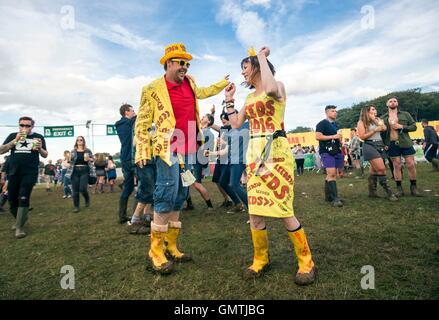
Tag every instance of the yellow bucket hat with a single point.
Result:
(175, 50)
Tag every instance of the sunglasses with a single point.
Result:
(25, 125)
(182, 63)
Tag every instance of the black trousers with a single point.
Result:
(20, 187)
(430, 151)
(299, 165)
(80, 184)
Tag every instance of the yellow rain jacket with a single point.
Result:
(155, 107)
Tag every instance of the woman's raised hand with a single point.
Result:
(230, 91)
(265, 51)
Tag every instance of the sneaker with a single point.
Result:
(125, 220)
(226, 204)
(75, 210)
(20, 234)
(188, 208)
(64, 197)
(236, 209)
(138, 228)
(69, 196)
(337, 203)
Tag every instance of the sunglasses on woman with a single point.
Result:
(182, 63)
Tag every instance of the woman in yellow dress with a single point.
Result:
(270, 184)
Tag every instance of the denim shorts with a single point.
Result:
(396, 151)
(330, 161)
(169, 193)
(146, 183)
(198, 172)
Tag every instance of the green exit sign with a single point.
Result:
(111, 130)
(59, 132)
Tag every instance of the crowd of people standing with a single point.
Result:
(254, 164)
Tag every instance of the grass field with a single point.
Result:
(400, 240)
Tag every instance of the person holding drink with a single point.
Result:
(330, 139)
(397, 139)
(79, 172)
(369, 130)
(26, 147)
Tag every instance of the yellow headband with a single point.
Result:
(251, 52)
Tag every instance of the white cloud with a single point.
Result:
(250, 27)
(120, 35)
(209, 57)
(345, 64)
(263, 3)
(64, 77)
(61, 77)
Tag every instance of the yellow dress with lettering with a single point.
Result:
(271, 192)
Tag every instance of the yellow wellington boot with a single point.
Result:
(307, 271)
(156, 254)
(171, 243)
(261, 260)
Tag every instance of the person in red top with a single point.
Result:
(173, 96)
(183, 102)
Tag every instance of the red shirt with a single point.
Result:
(183, 103)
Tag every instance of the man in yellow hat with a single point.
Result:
(170, 102)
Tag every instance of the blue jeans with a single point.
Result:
(146, 183)
(66, 181)
(128, 170)
(225, 182)
(236, 171)
(169, 193)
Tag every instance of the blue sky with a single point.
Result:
(321, 50)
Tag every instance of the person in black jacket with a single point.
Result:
(430, 145)
(125, 131)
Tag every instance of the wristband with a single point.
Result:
(228, 102)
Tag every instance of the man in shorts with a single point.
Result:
(49, 175)
(330, 153)
(399, 144)
(171, 103)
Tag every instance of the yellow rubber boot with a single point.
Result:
(156, 254)
(307, 271)
(261, 259)
(171, 243)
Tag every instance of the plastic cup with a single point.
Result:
(35, 143)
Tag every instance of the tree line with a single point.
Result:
(419, 105)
